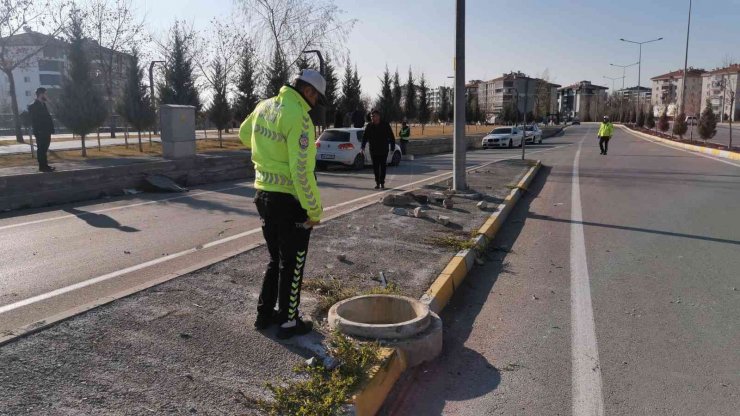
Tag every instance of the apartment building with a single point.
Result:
(518, 89)
(634, 93)
(667, 90)
(580, 99)
(718, 86)
(48, 67)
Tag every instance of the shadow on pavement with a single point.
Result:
(100, 220)
(642, 230)
(461, 373)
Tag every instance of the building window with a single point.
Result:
(26, 79)
(50, 66)
(28, 93)
(50, 79)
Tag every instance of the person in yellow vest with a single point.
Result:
(281, 135)
(606, 129)
(404, 135)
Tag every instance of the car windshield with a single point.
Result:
(530, 128)
(334, 136)
(503, 130)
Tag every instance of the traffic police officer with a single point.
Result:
(281, 135)
(606, 130)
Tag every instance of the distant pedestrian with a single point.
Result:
(358, 119)
(43, 128)
(281, 136)
(605, 133)
(404, 135)
(382, 141)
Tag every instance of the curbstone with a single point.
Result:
(725, 154)
(371, 396)
(469, 256)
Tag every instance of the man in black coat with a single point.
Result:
(382, 140)
(43, 128)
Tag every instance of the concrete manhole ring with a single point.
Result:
(380, 317)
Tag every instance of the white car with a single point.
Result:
(343, 146)
(503, 137)
(534, 134)
(692, 121)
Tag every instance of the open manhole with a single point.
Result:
(395, 321)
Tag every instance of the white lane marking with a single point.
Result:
(684, 150)
(99, 279)
(138, 204)
(586, 370)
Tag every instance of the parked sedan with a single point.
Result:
(343, 146)
(534, 134)
(503, 137)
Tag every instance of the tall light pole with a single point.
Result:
(624, 75)
(151, 91)
(614, 79)
(458, 167)
(681, 109)
(639, 62)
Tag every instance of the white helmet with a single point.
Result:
(315, 79)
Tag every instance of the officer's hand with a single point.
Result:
(310, 224)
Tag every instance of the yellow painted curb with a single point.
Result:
(371, 397)
(725, 154)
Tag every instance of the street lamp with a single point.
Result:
(685, 64)
(639, 62)
(613, 79)
(151, 92)
(624, 70)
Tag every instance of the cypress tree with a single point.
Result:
(397, 111)
(80, 107)
(650, 120)
(179, 87)
(385, 99)
(679, 125)
(331, 89)
(410, 102)
(135, 105)
(707, 127)
(278, 74)
(246, 85)
(663, 124)
(424, 110)
(219, 112)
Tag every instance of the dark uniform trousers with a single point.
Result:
(287, 242)
(379, 167)
(604, 143)
(43, 141)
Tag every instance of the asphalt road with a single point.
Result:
(722, 137)
(62, 260)
(615, 289)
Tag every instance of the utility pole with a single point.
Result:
(639, 63)
(524, 127)
(460, 146)
(151, 90)
(624, 75)
(682, 109)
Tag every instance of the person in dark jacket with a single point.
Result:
(43, 128)
(380, 136)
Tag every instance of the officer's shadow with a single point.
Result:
(100, 220)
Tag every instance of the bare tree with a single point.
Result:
(18, 17)
(542, 95)
(117, 28)
(294, 26)
(221, 48)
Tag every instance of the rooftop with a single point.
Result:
(583, 84)
(732, 69)
(679, 73)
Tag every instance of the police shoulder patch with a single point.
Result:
(303, 142)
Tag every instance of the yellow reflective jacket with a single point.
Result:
(281, 135)
(606, 130)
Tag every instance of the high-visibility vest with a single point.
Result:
(606, 129)
(281, 135)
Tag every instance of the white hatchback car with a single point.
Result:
(503, 137)
(343, 146)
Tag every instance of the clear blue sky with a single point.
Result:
(575, 40)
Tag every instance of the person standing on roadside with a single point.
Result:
(43, 128)
(606, 129)
(282, 138)
(404, 135)
(380, 136)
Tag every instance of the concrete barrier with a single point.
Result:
(40, 190)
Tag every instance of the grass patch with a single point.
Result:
(330, 291)
(113, 152)
(453, 242)
(324, 392)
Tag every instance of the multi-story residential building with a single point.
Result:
(718, 86)
(633, 93)
(580, 99)
(48, 68)
(667, 90)
(434, 97)
(518, 89)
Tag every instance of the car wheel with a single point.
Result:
(396, 160)
(540, 142)
(511, 143)
(359, 162)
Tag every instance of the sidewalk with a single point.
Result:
(187, 345)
